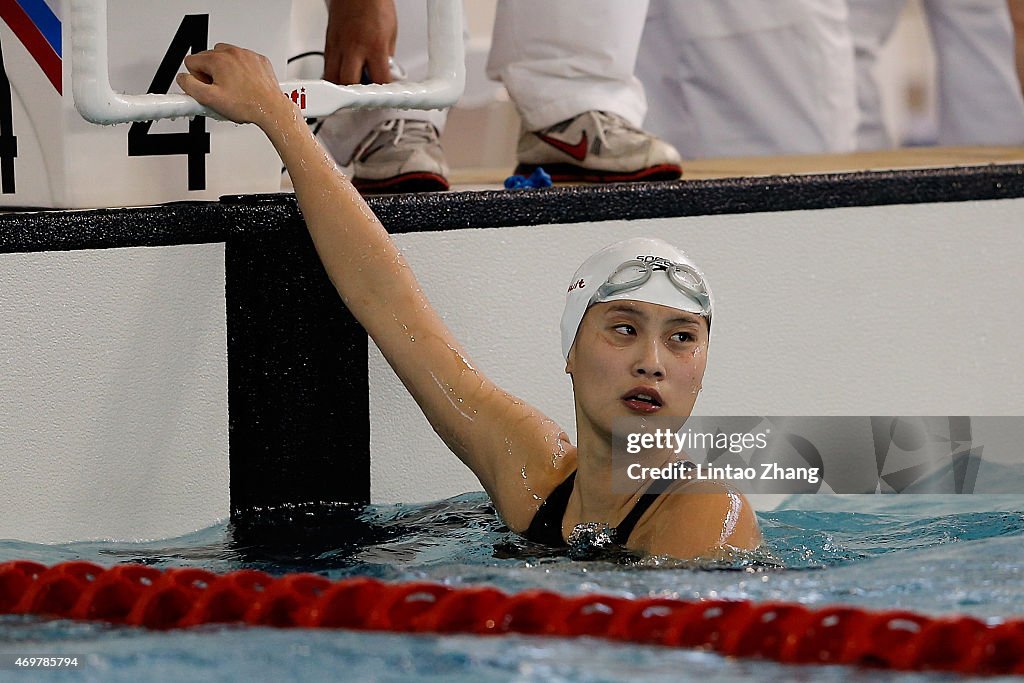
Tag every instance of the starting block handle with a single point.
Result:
(97, 102)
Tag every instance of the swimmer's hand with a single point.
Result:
(238, 84)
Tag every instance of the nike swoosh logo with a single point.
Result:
(577, 151)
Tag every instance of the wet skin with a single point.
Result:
(623, 347)
(635, 359)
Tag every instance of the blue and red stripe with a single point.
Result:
(39, 30)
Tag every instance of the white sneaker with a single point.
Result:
(597, 147)
(400, 155)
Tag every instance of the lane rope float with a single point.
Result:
(140, 595)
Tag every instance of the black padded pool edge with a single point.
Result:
(297, 361)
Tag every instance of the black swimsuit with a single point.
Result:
(546, 526)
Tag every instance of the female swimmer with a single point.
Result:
(634, 334)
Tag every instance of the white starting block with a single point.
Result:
(57, 54)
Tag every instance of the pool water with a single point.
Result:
(928, 553)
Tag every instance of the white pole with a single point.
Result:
(97, 102)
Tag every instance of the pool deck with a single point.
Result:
(804, 164)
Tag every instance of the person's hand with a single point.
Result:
(360, 33)
(238, 84)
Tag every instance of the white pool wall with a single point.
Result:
(113, 393)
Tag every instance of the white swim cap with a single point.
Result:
(639, 269)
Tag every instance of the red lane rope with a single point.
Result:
(176, 598)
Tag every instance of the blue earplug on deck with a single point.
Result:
(539, 178)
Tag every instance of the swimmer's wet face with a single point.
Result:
(635, 333)
(632, 358)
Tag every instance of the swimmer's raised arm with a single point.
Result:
(512, 448)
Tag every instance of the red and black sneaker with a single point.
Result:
(598, 147)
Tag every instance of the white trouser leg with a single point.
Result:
(558, 58)
(980, 101)
(872, 23)
(742, 77)
(344, 130)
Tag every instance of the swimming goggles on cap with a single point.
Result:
(635, 273)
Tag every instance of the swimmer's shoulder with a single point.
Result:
(534, 460)
(697, 519)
